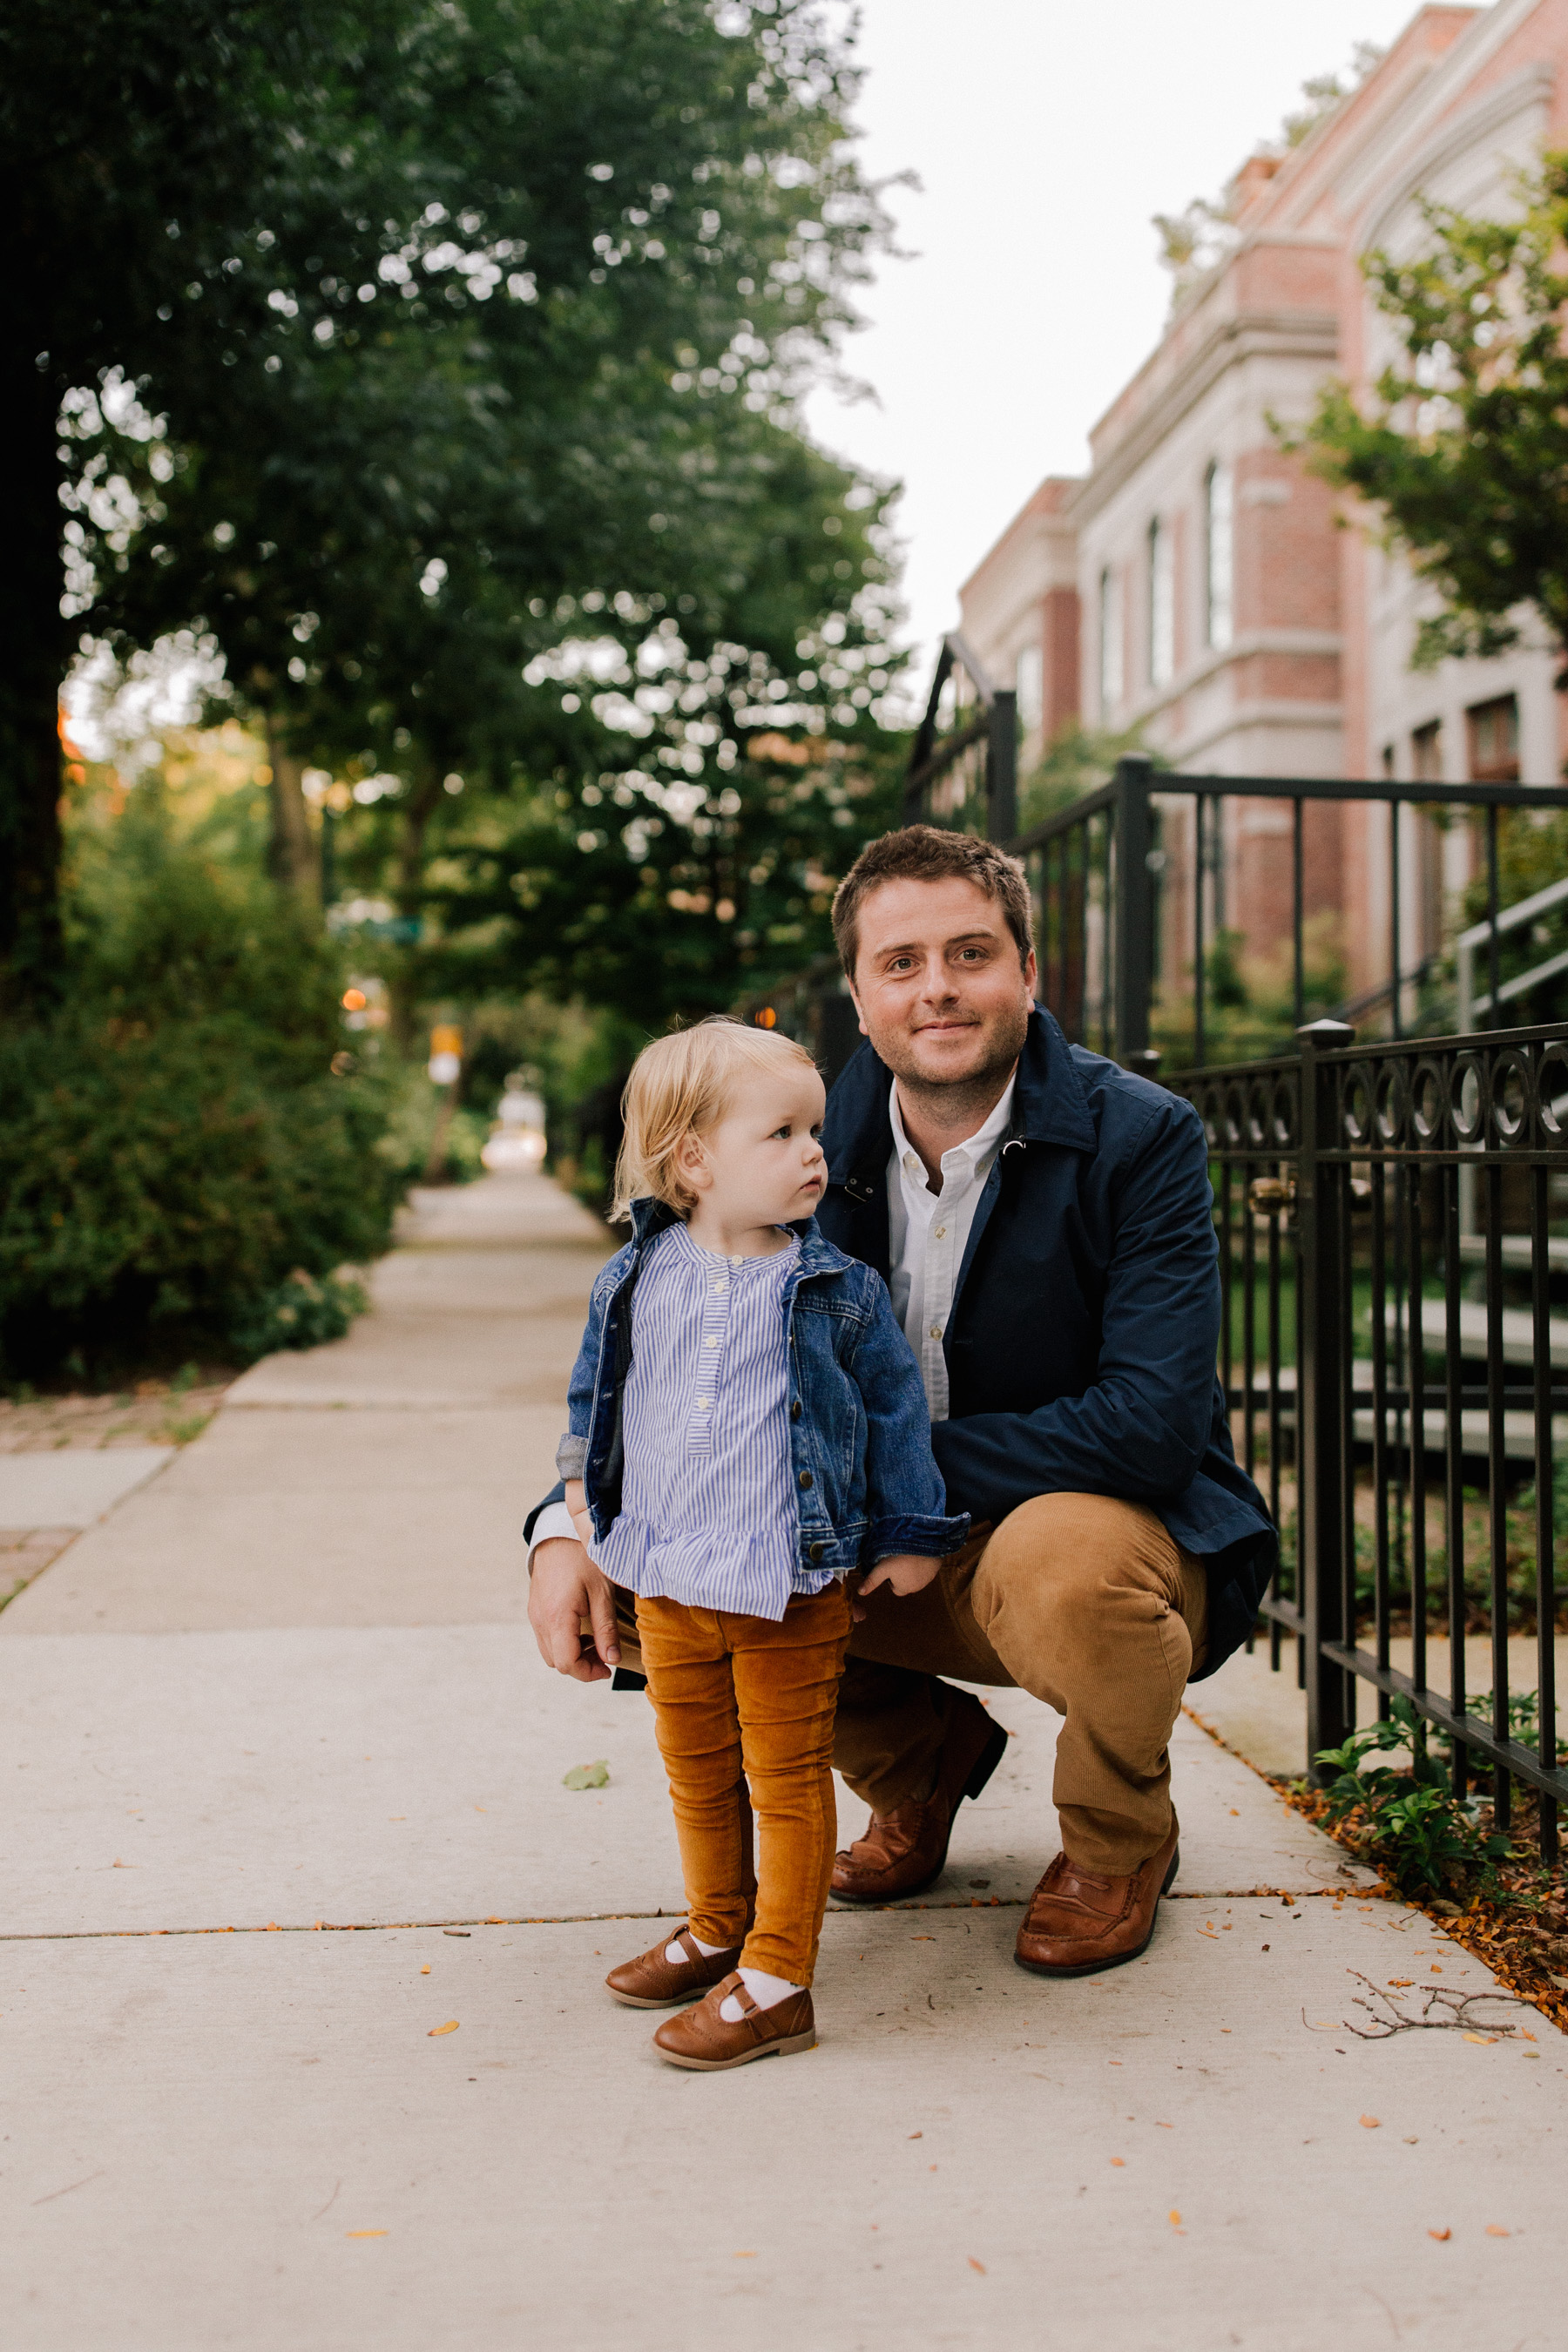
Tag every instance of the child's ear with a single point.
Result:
(691, 1163)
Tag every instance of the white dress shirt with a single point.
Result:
(928, 1234)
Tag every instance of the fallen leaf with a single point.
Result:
(745, 2254)
(450, 2026)
(977, 2266)
(426, 1970)
(916, 2135)
(1235, 1815)
(1164, 2126)
(1496, 2230)
(485, 1809)
(1371, 2123)
(922, 1940)
(1486, 2040)
(367, 2233)
(1175, 2218)
(1442, 2236)
(1119, 2162)
(582, 1776)
(1401, 1980)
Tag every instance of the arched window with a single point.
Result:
(1111, 682)
(1219, 555)
(1161, 604)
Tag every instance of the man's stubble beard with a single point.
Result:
(951, 1100)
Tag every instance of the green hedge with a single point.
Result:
(174, 1144)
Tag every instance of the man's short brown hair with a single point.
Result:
(929, 853)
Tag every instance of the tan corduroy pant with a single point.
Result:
(1083, 1600)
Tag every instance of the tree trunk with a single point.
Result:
(38, 648)
(414, 815)
(292, 858)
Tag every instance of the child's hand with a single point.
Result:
(577, 1504)
(903, 1572)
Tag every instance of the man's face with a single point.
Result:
(938, 985)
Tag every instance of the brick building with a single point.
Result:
(1195, 584)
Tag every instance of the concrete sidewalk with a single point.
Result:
(286, 1797)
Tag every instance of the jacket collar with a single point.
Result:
(817, 1254)
(1048, 1107)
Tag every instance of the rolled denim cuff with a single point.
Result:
(932, 1537)
(570, 1457)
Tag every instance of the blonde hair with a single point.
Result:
(681, 1085)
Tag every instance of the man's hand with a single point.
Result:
(566, 1589)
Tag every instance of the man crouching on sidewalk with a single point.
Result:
(1044, 1222)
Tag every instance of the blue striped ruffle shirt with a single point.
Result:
(708, 1512)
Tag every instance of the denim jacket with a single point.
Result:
(863, 1477)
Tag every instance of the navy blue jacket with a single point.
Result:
(1081, 1348)
(861, 1473)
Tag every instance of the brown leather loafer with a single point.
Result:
(903, 1851)
(709, 2044)
(652, 1982)
(1080, 1921)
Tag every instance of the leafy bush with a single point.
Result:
(173, 1143)
(1409, 1821)
(299, 1313)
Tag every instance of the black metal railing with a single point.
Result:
(1130, 883)
(964, 768)
(1103, 872)
(1404, 1431)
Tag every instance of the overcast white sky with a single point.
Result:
(1044, 133)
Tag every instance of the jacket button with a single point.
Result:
(805, 1477)
(817, 1551)
(794, 1409)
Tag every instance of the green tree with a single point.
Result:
(488, 368)
(1462, 443)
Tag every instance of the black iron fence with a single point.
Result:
(1129, 886)
(1132, 884)
(1395, 1375)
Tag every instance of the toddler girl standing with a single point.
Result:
(748, 1425)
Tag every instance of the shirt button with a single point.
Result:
(817, 1551)
(710, 1342)
(734, 1261)
(936, 1331)
(794, 1409)
(942, 1233)
(805, 1478)
(703, 1403)
(720, 1286)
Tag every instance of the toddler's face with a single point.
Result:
(764, 1157)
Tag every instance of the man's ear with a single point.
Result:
(859, 1016)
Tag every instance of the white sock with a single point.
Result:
(765, 1990)
(678, 1957)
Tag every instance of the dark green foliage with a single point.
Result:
(174, 1144)
(1463, 442)
(299, 1312)
(1409, 1823)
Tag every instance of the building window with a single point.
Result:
(1219, 554)
(1028, 684)
(1427, 754)
(1111, 682)
(1161, 604)
(1494, 741)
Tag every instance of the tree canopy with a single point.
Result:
(1462, 443)
(387, 343)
